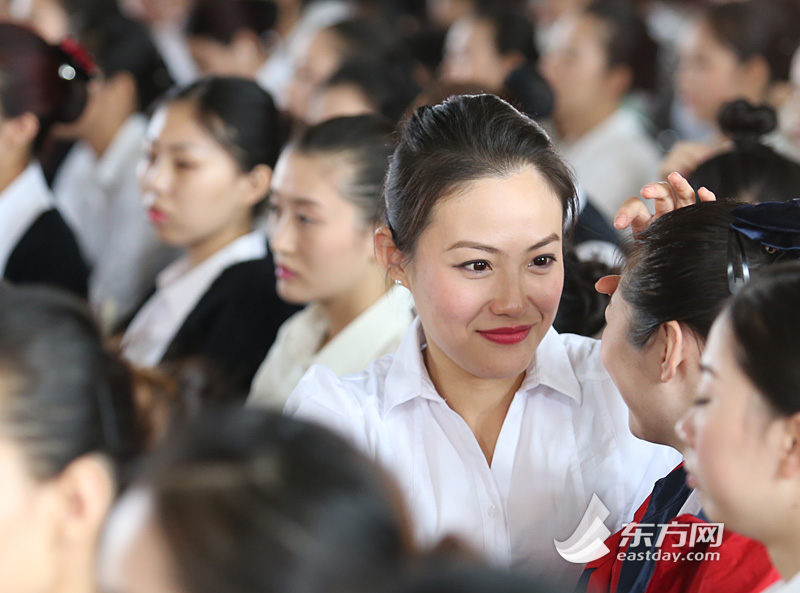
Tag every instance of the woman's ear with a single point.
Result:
(389, 256)
(86, 490)
(256, 185)
(23, 130)
(790, 462)
(673, 353)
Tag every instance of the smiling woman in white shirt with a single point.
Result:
(211, 150)
(325, 205)
(40, 84)
(498, 429)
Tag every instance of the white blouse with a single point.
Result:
(564, 439)
(21, 203)
(179, 289)
(377, 331)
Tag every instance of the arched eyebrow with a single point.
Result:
(554, 238)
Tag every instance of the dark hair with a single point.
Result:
(389, 86)
(466, 138)
(222, 19)
(513, 31)
(582, 309)
(628, 41)
(751, 170)
(753, 28)
(363, 37)
(765, 319)
(366, 142)
(677, 269)
(39, 78)
(62, 394)
(240, 115)
(252, 501)
(120, 44)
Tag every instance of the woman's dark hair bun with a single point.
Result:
(745, 123)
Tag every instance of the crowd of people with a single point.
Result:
(366, 296)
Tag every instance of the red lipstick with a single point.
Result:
(507, 335)
(284, 273)
(156, 216)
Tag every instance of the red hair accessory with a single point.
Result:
(78, 55)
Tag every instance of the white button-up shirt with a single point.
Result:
(179, 289)
(21, 203)
(565, 438)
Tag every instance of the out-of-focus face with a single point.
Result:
(193, 188)
(314, 64)
(443, 13)
(471, 55)
(636, 372)
(576, 66)
(323, 248)
(341, 100)
(710, 74)
(29, 535)
(133, 556)
(734, 442)
(487, 275)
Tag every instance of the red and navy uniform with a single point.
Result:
(639, 565)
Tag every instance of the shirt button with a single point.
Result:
(493, 511)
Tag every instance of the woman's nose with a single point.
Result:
(282, 234)
(512, 298)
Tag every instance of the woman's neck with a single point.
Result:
(572, 127)
(482, 403)
(11, 168)
(785, 553)
(202, 250)
(343, 309)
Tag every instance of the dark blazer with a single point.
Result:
(48, 254)
(234, 324)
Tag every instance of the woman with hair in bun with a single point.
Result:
(325, 204)
(69, 425)
(749, 170)
(732, 50)
(499, 430)
(211, 148)
(742, 432)
(658, 322)
(40, 85)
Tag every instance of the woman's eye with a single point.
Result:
(303, 219)
(542, 261)
(184, 165)
(701, 401)
(476, 266)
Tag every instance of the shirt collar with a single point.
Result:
(180, 284)
(21, 203)
(408, 376)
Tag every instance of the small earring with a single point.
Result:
(400, 282)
